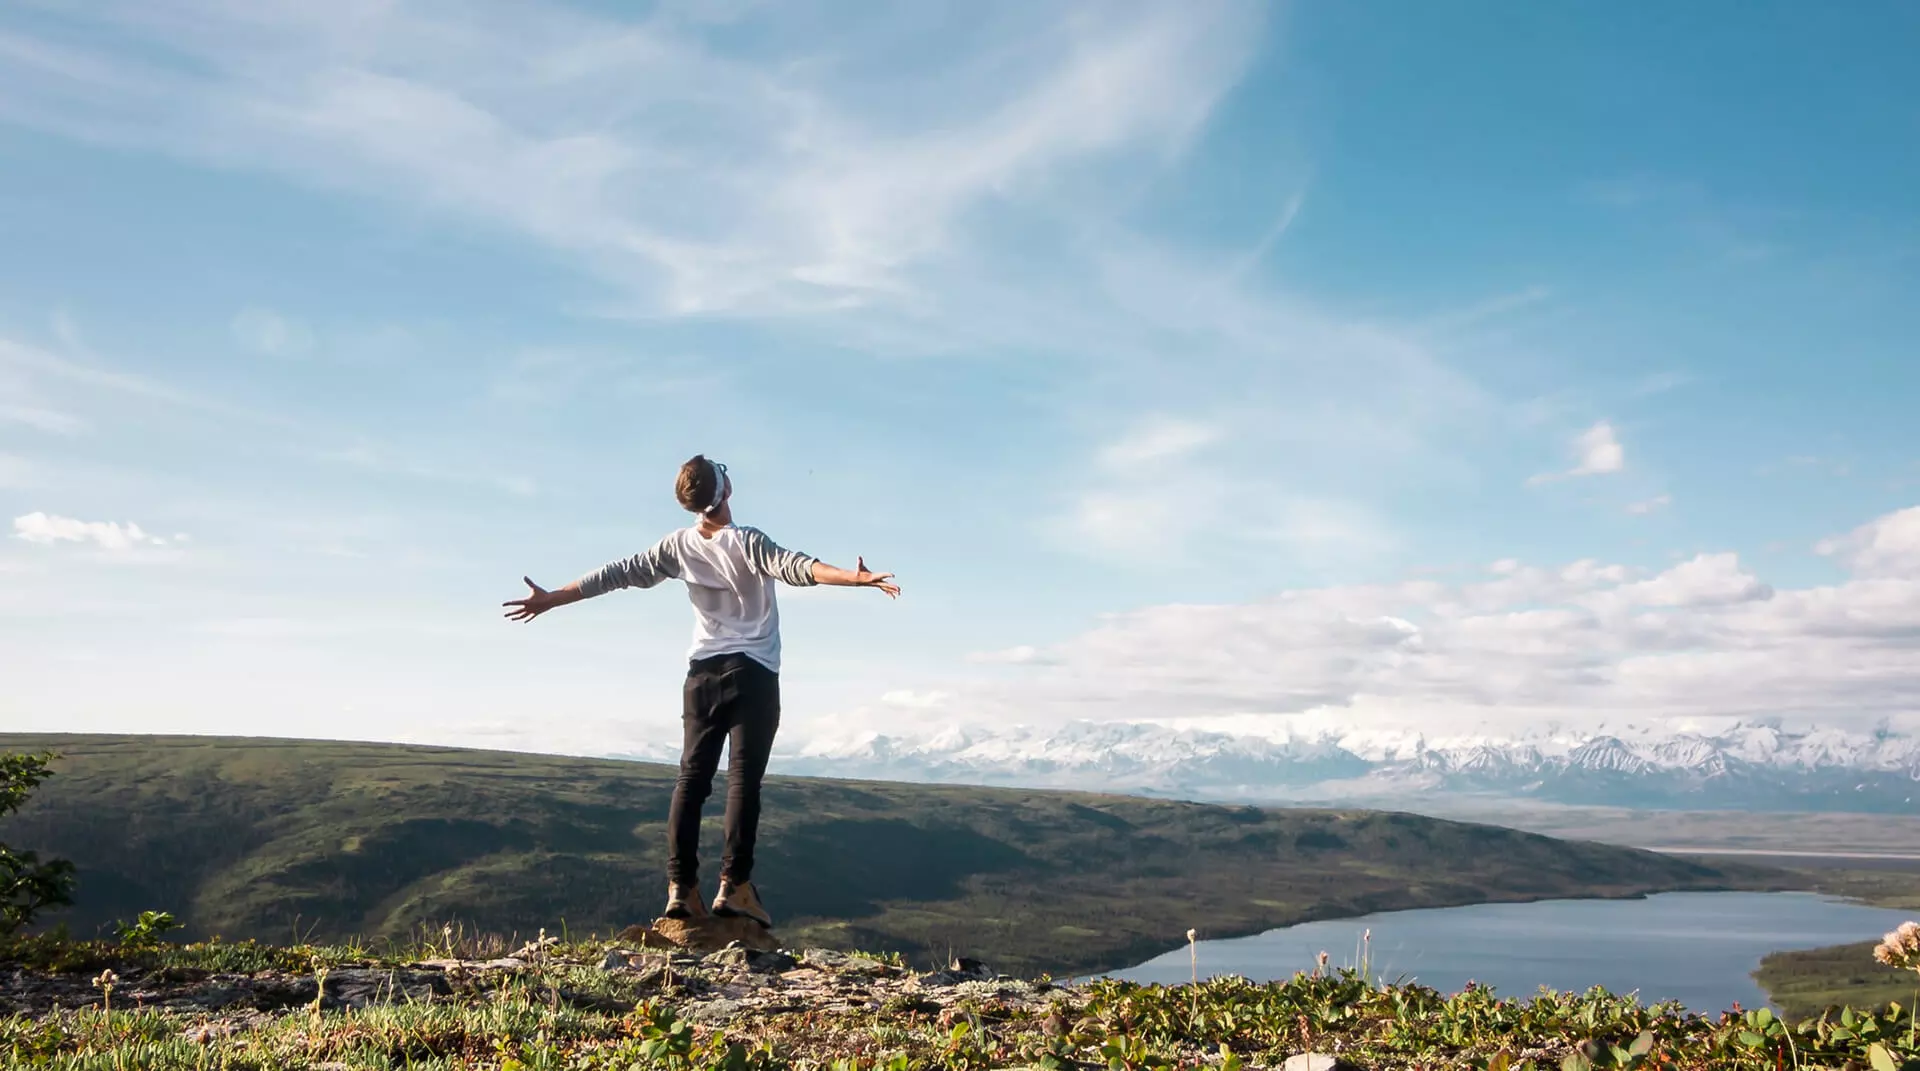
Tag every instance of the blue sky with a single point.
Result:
(1078, 317)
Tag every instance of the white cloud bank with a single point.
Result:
(1513, 652)
(1889, 547)
(47, 529)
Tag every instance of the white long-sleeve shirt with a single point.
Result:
(729, 578)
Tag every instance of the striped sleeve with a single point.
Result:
(771, 559)
(643, 570)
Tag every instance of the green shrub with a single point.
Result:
(27, 885)
(145, 931)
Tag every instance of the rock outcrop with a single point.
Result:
(701, 936)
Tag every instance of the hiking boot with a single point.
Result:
(683, 902)
(740, 901)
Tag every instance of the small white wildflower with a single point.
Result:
(1901, 947)
(105, 984)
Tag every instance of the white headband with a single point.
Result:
(719, 485)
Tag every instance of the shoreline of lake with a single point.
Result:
(1698, 947)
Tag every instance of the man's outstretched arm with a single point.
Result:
(661, 562)
(803, 570)
(858, 577)
(539, 600)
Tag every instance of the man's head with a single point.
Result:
(703, 487)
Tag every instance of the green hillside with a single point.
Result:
(252, 837)
(1806, 982)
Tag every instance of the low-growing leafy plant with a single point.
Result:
(145, 931)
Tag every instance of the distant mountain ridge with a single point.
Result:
(1748, 766)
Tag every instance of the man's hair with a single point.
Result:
(694, 486)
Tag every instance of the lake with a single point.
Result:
(1697, 948)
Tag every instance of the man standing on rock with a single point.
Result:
(732, 695)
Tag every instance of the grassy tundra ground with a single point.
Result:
(582, 1006)
(263, 838)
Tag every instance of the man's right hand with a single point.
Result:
(883, 581)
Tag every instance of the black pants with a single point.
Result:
(734, 701)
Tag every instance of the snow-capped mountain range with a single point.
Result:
(1746, 766)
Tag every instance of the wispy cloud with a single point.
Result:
(1637, 191)
(94, 381)
(41, 419)
(1153, 490)
(700, 183)
(578, 132)
(1726, 229)
(550, 376)
(268, 334)
(22, 358)
(914, 700)
(1021, 655)
(1493, 308)
(375, 459)
(1649, 505)
(1662, 382)
(16, 473)
(1598, 451)
(22, 405)
(1141, 497)
(1807, 464)
(1247, 261)
(1158, 441)
(48, 529)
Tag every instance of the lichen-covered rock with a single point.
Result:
(824, 958)
(472, 966)
(357, 988)
(711, 1011)
(759, 961)
(533, 949)
(618, 959)
(958, 972)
